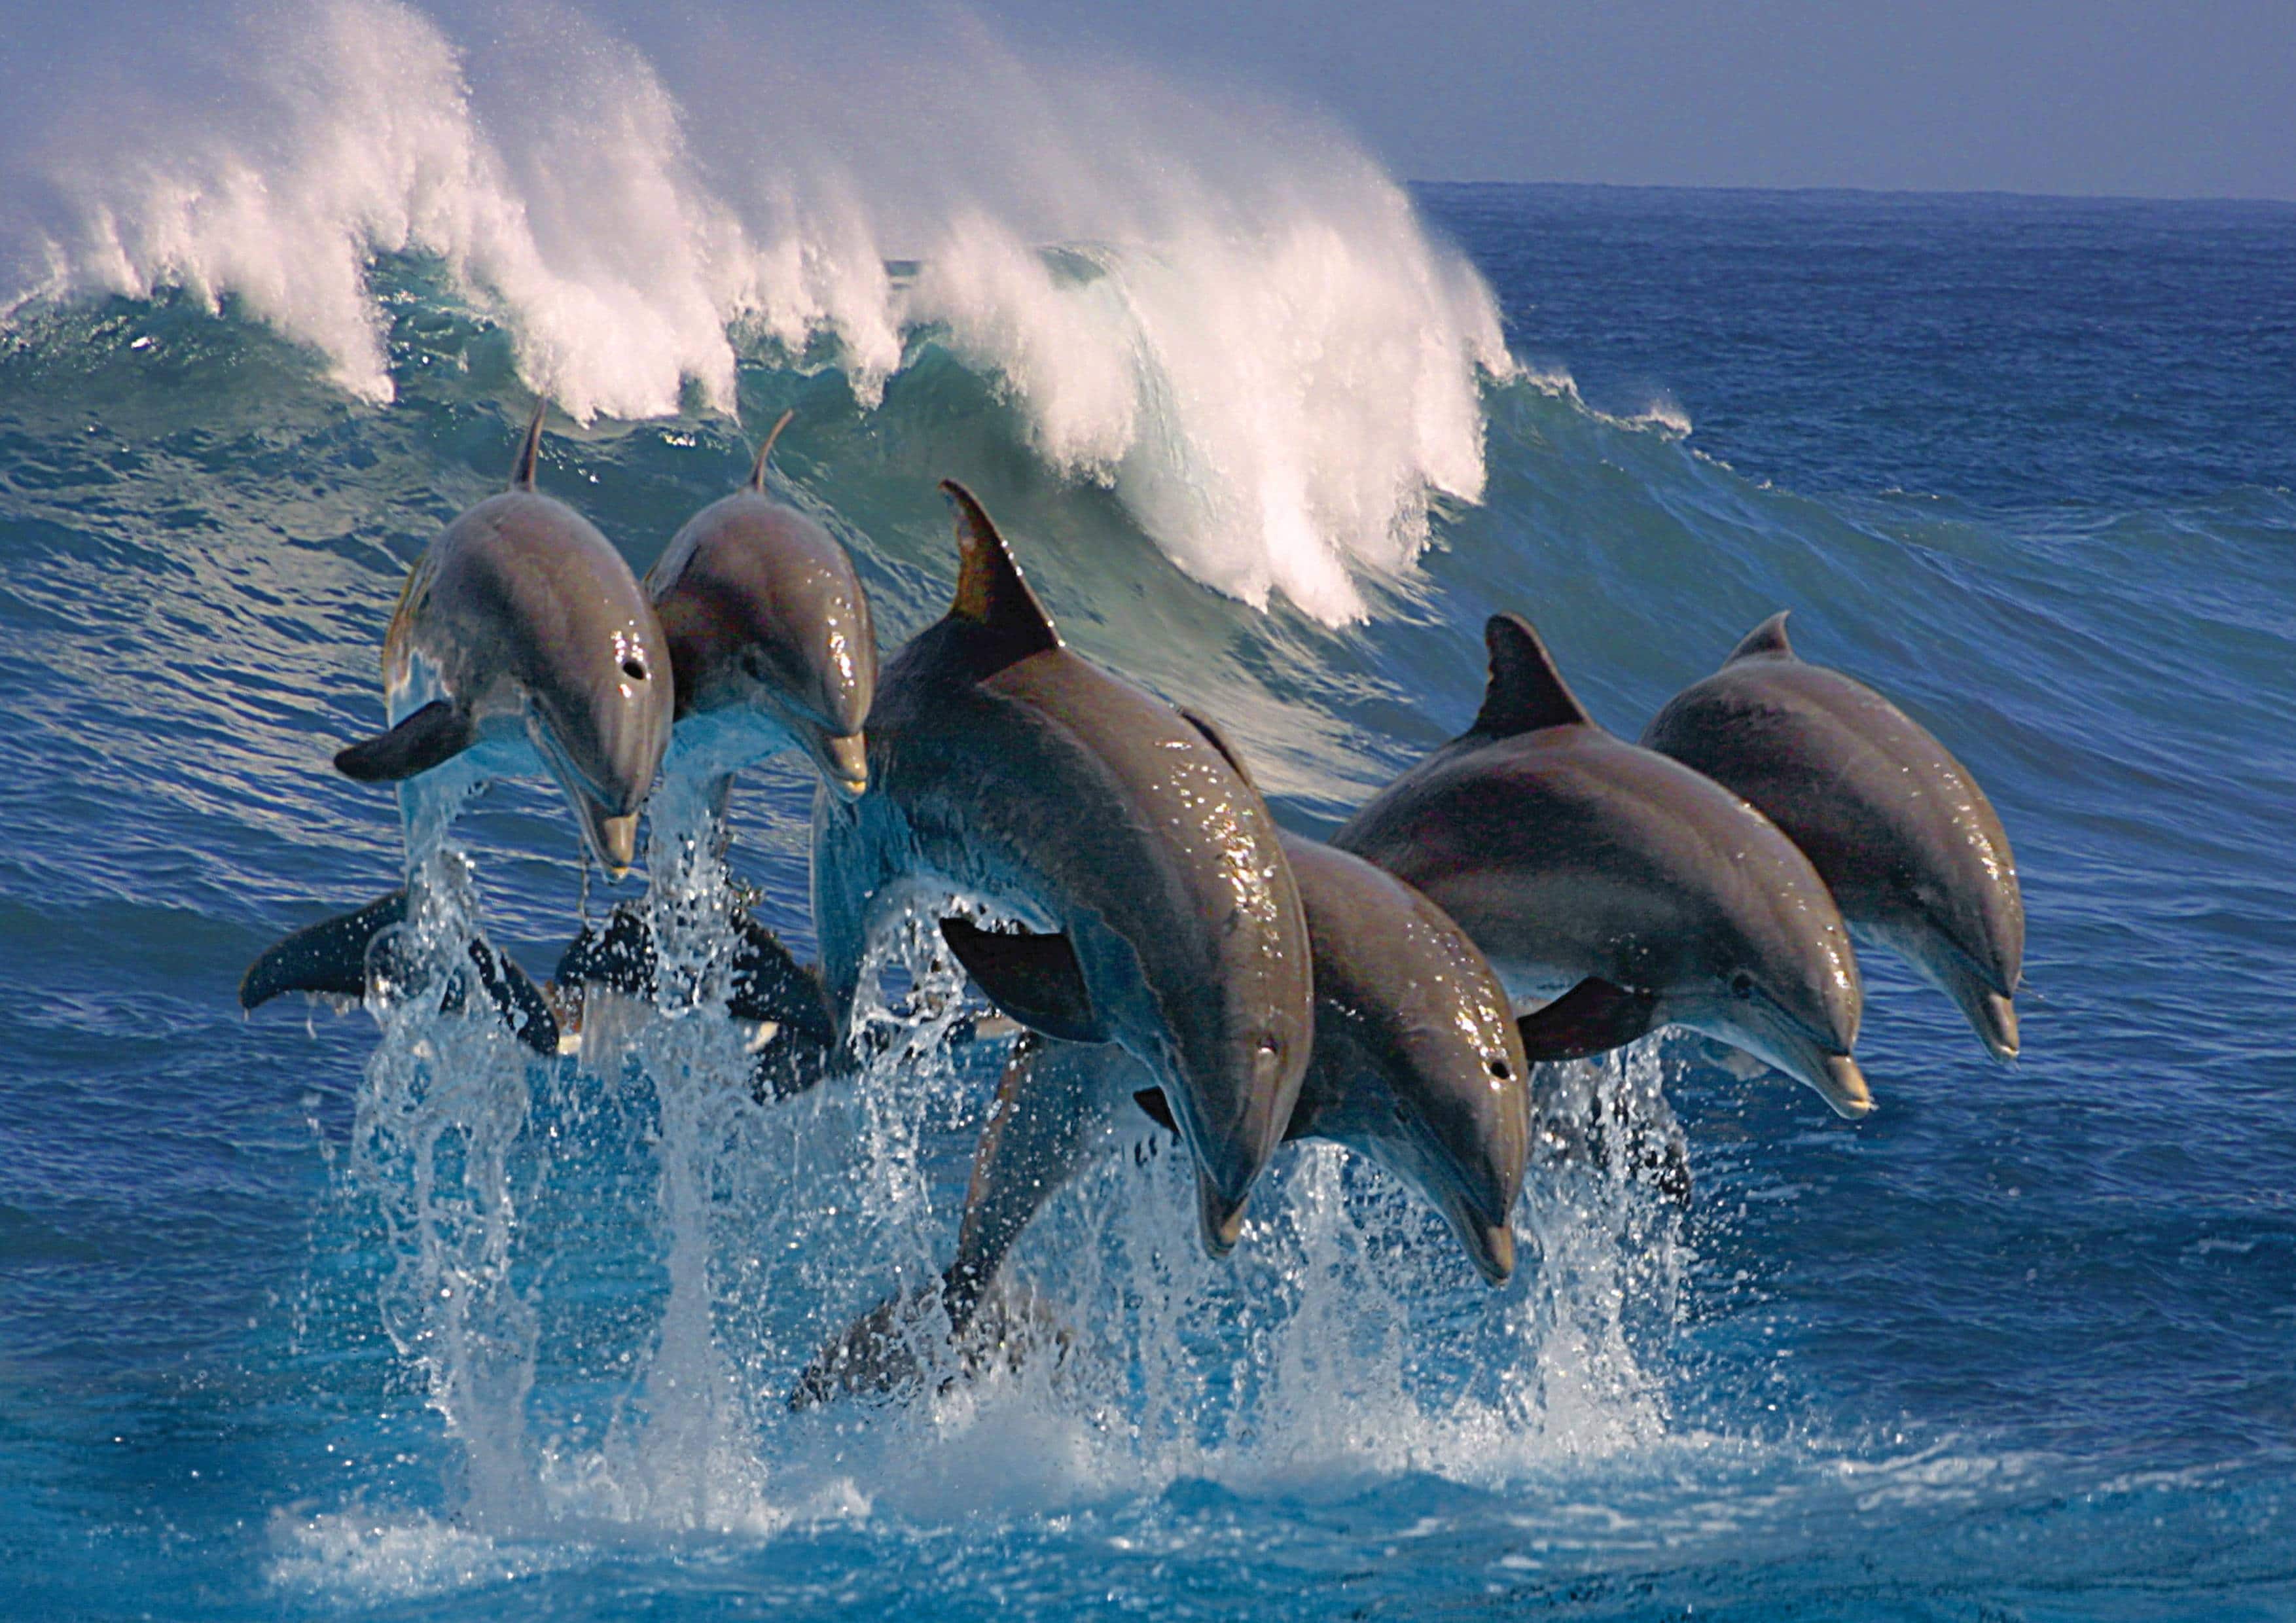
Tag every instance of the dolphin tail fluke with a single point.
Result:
(529, 451)
(1035, 978)
(619, 957)
(1593, 1017)
(329, 957)
(516, 998)
(433, 735)
(758, 468)
(332, 957)
(797, 1039)
(903, 1343)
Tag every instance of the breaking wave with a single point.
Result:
(1222, 311)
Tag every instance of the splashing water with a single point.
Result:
(1328, 1346)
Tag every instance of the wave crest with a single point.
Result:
(1224, 312)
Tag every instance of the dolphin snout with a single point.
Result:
(1844, 1086)
(1219, 1221)
(844, 764)
(1995, 1019)
(617, 843)
(1491, 1245)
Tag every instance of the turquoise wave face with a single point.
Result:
(305, 1319)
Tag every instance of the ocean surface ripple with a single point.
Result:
(318, 1318)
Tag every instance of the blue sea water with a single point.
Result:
(305, 1316)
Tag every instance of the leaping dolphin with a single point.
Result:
(1416, 1063)
(521, 638)
(771, 641)
(1004, 767)
(769, 635)
(522, 634)
(1911, 848)
(1570, 856)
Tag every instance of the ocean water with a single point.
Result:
(319, 1315)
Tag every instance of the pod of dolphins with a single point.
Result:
(1111, 881)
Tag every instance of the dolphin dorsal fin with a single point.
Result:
(1526, 691)
(522, 472)
(991, 592)
(1765, 641)
(1217, 740)
(758, 468)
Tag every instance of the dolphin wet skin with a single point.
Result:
(1416, 1063)
(1162, 914)
(1570, 856)
(521, 635)
(769, 636)
(772, 648)
(521, 638)
(1909, 845)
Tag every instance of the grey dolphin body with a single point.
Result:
(1906, 840)
(521, 639)
(772, 648)
(1416, 1063)
(1003, 766)
(769, 636)
(521, 635)
(1570, 856)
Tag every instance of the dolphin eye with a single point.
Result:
(1741, 986)
(1500, 1071)
(634, 670)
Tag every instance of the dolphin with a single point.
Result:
(521, 638)
(1159, 910)
(1570, 856)
(1911, 848)
(770, 640)
(1416, 1063)
(522, 634)
(772, 647)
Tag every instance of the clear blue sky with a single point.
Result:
(2160, 99)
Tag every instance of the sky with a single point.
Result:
(2065, 96)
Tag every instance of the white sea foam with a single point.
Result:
(1222, 310)
(606, 1285)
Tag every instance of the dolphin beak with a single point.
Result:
(1995, 1019)
(1992, 1016)
(617, 843)
(1491, 1246)
(1844, 1086)
(1219, 1224)
(844, 764)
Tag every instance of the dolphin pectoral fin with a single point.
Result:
(433, 735)
(1035, 978)
(329, 956)
(1593, 1017)
(1159, 1109)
